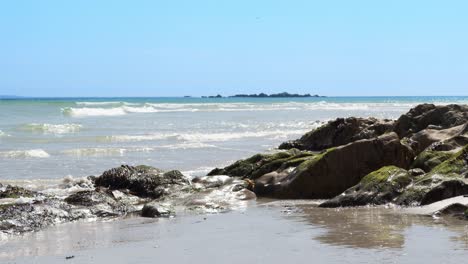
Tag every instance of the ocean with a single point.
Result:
(62, 138)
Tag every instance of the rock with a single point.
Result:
(260, 164)
(20, 218)
(156, 210)
(330, 173)
(340, 132)
(446, 180)
(143, 181)
(424, 115)
(427, 160)
(377, 187)
(90, 198)
(213, 181)
(444, 190)
(441, 140)
(416, 172)
(455, 209)
(10, 191)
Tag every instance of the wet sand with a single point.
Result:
(265, 232)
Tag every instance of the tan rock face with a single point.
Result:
(449, 139)
(340, 132)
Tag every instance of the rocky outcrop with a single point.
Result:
(340, 132)
(447, 177)
(297, 174)
(145, 190)
(431, 116)
(142, 181)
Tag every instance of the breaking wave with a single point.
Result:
(3, 134)
(123, 108)
(208, 137)
(52, 128)
(31, 153)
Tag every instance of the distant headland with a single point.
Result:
(264, 95)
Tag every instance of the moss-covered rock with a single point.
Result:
(427, 160)
(143, 181)
(260, 164)
(15, 192)
(457, 165)
(378, 187)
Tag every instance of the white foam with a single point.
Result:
(124, 108)
(188, 145)
(99, 103)
(80, 152)
(89, 111)
(3, 134)
(208, 137)
(53, 128)
(31, 153)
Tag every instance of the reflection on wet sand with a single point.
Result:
(372, 227)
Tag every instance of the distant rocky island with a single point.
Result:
(264, 95)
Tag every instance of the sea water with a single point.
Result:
(52, 138)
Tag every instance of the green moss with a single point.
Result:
(412, 195)
(457, 164)
(387, 177)
(5, 206)
(314, 159)
(427, 160)
(260, 164)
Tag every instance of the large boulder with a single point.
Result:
(431, 116)
(336, 169)
(143, 181)
(340, 132)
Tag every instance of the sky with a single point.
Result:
(206, 47)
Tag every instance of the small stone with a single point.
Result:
(155, 210)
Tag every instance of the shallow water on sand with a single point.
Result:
(266, 232)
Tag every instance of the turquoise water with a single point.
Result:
(53, 138)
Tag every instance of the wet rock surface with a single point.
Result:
(142, 190)
(340, 132)
(143, 181)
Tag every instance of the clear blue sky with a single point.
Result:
(200, 47)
